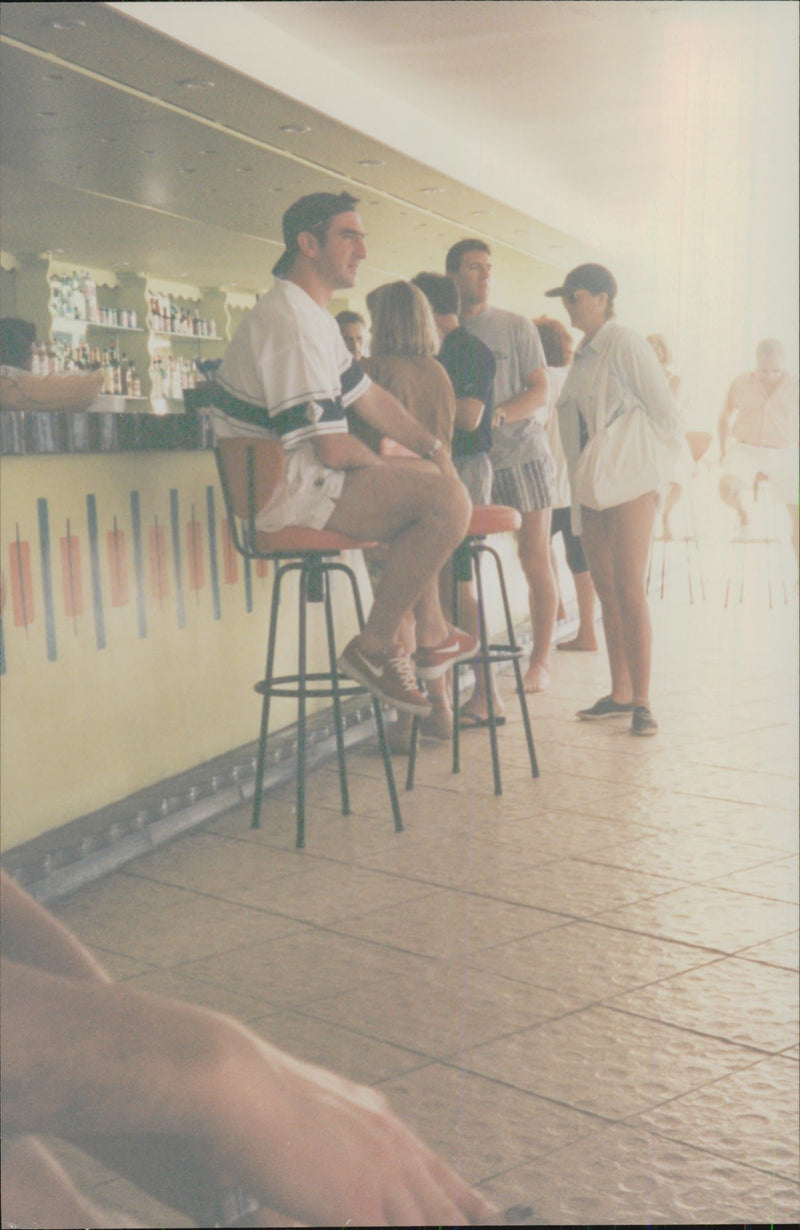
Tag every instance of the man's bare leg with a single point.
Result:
(730, 490)
(534, 556)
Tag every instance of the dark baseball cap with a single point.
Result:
(307, 214)
(594, 278)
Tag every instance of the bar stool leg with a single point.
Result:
(514, 649)
(301, 707)
(337, 703)
(376, 709)
(485, 664)
(264, 687)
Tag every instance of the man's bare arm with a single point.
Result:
(468, 413)
(32, 936)
(82, 1058)
(525, 404)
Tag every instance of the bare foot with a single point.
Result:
(536, 678)
(477, 709)
(580, 643)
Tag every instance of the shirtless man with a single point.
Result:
(760, 415)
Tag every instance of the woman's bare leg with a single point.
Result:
(597, 539)
(632, 529)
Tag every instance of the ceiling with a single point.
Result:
(117, 152)
(658, 137)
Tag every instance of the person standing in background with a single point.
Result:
(353, 329)
(524, 470)
(558, 350)
(471, 367)
(760, 415)
(615, 477)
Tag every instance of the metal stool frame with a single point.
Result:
(315, 567)
(491, 653)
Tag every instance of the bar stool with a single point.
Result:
(486, 520)
(250, 471)
(698, 443)
(751, 552)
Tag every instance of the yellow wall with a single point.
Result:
(91, 713)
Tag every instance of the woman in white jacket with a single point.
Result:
(621, 433)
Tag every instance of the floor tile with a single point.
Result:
(622, 1176)
(686, 856)
(750, 1116)
(448, 924)
(589, 962)
(163, 925)
(331, 891)
(784, 951)
(742, 1001)
(444, 1010)
(711, 917)
(580, 889)
(303, 968)
(479, 1126)
(606, 1063)
(778, 880)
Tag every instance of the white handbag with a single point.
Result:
(625, 459)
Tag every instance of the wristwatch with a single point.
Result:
(433, 450)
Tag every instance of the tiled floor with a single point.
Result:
(584, 993)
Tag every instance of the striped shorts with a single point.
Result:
(528, 488)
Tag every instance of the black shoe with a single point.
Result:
(605, 708)
(643, 722)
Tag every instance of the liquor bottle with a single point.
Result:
(134, 383)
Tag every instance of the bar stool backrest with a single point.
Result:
(250, 471)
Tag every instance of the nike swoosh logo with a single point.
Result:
(373, 670)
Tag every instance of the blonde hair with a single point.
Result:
(402, 321)
(661, 347)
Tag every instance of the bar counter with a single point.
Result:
(131, 632)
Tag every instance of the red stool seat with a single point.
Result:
(294, 538)
(493, 519)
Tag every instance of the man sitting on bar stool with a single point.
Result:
(287, 375)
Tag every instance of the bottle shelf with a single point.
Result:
(185, 337)
(68, 324)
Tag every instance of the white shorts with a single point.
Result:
(744, 461)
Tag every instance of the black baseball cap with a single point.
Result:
(595, 278)
(307, 214)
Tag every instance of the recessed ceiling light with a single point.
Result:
(64, 23)
(431, 191)
(208, 153)
(46, 115)
(371, 162)
(243, 170)
(108, 140)
(195, 83)
(188, 171)
(296, 128)
(53, 77)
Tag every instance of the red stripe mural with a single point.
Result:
(230, 558)
(19, 555)
(194, 543)
(159, 585)
(118, 567)
(71, 575)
